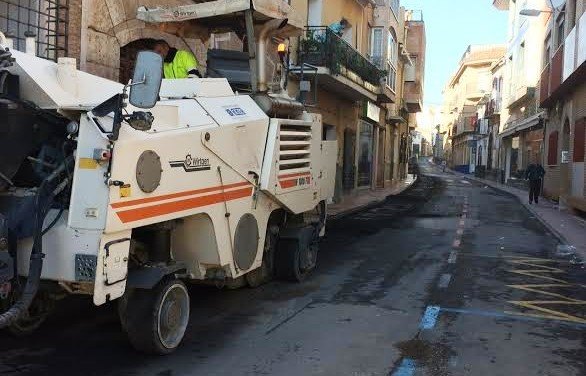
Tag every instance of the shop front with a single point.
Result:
(365, 153)
(368, 153)
(523, 145)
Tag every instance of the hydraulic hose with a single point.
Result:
(42, 206)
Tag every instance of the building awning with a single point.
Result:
(521, 125)
(396, 119)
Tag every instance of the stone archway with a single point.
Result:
(111, 28)
(128, 57)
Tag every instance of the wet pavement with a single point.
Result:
(448, 278)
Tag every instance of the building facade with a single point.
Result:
(359, 77)
(466, 94)
(563, 96)
(521, 128)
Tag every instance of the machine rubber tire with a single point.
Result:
(289, 261)
(156, 320)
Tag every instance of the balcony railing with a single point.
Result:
(557, 67)
(551, 76)
(493, 107)
(320, 46)
(391, 72)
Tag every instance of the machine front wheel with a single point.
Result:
(156, 320)
(295, 262)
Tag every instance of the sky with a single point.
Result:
(451, 26)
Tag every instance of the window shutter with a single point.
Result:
(552, 149)
(579, 140)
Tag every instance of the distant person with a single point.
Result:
(339, 27)
(176, 63)
(534, 174)
(444, 163)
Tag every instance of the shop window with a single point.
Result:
(552, 148)
(579, 140)
(365, 154)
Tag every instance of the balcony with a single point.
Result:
(473, 92)
(567, 69)
(387, 90)
(551, 77)
(519, 94)
(531, 117)
(413, 93)
(340, 66)
(493, 107)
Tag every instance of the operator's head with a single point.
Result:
(161, 47)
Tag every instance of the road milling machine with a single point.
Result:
(130, 197)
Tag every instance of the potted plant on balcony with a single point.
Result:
(312, 47)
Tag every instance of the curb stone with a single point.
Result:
(367, 206)
(557, 234)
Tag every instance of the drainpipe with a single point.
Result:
(266, 31)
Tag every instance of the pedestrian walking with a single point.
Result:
(444, 166)
(534, 174)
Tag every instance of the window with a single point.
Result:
(47, 20)
(547, 50)
(395, 8)
(521, 63)
(391, 76)
(410, 70)
(376, 46)
(552, 148)
(560, 30)
(391, 49)
(579, 140)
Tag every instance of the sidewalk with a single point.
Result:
(570, 229)
(366, 198)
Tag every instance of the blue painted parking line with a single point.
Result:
(429, 317)
(406, 368)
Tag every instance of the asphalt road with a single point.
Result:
(450, 278)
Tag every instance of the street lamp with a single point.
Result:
(533, 12)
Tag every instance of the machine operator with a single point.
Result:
(177, 63)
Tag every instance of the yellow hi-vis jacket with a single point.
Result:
(182, 65)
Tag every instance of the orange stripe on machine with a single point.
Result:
(294, 180)
(147, 200)
(152, 211)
